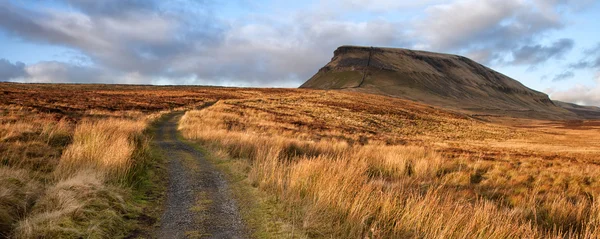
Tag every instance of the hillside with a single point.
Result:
(587, 112)
(444, 80)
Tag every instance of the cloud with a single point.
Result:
(570, 5)
(130, 41)
(533, 55)
(581, 65)
(261, 53)
(495, 31)
(56, 72)
(563, 76)
(590, 60)
(168, 42)
(184, 42)
(582, 94)
(579, 94)
(112, 7)
(9, 70)
(377, 5)
(60, 72)
(443, 28)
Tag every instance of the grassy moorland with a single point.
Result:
(76, 161)
(351, 165)
(73, 161)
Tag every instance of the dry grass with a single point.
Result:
(71, 155)
(355, 166)
(82, 206)
(75, 101)
(343, 164)
(104, 146)
(63, 177)
(82, 202)
(18, 192)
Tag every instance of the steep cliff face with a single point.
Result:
(439, 79)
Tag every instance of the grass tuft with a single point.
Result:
(105, 146)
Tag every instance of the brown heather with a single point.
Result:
(357, 166)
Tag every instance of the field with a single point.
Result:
(338, 164)
(351, 165)
(76, 160)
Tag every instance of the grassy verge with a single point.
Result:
(263, 214)
(148, 186)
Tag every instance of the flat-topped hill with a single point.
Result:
(449, 81)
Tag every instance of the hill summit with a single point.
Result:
(449, 81)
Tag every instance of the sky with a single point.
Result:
(552, 46)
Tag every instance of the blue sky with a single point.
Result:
(551, 46)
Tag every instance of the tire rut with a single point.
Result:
(198, 202)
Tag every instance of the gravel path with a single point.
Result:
(198, 203)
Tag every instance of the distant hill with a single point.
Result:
(449, 81)
(586, 112)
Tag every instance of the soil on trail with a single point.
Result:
(198, 203)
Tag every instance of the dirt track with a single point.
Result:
(198, 203)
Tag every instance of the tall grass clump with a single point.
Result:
(18, 192)
(82, 206)
(105, 146)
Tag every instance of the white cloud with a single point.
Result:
(141, 41)
(494, 32)
(453, 25)
(579, 94)
(379, 5)
(59, 72)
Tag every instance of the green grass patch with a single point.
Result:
(148, 185)
(202, 202)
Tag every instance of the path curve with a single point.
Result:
(198, 202)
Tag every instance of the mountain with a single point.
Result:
(444, 80)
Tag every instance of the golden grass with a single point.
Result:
(398, 172)
(66, 179)
(18, 192)
(105, 146)
(343, 164)
(82, 206)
